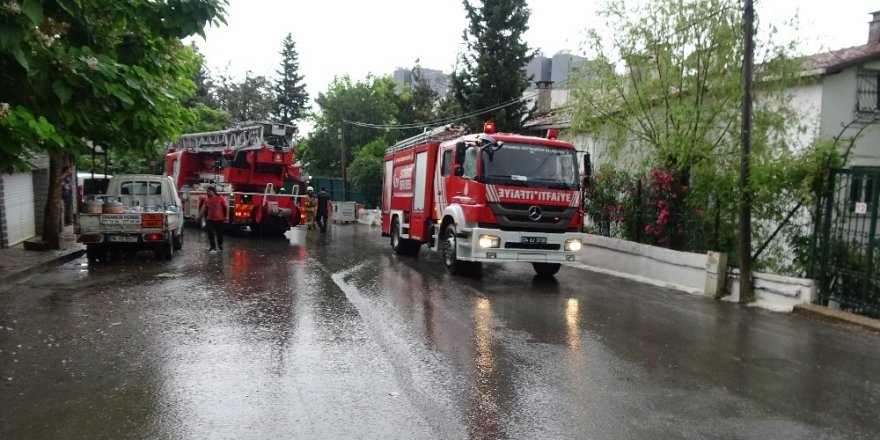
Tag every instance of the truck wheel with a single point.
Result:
(546, 269)
(402, 246)
(178, 241)
(450, 256)
(95, 252)
(165, 251)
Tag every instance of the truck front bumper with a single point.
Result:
(535, 247)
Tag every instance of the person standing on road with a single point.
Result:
(67, 194)
(311, 207)
(323, 209)
(215, 210)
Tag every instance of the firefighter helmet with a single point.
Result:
(310, 189)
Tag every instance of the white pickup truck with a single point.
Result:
(139, 211)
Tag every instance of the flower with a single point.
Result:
(5, 109)
(90, 61)
(12, 7)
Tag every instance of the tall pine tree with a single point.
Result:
(291, 98)
(493, 68)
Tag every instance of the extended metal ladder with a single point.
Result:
(247, 135)
(438, 134)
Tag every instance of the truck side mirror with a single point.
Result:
(460, 149)
(588, 168)
(458, 171)
(588, 171)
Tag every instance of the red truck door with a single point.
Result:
(422, 201)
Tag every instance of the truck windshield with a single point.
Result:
(537, 166)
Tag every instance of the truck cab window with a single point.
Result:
(470, 162)
(447, 162)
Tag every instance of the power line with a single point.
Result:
(449, 120)
(525, 97)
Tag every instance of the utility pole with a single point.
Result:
(745, 199)
(342, 149)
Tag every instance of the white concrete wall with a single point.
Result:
(806, 100)
(688, 272)
(659, 266)
(774, 292)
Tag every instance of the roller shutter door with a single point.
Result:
(18, 204)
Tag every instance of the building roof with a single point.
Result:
(558, 118)
(818, 64)
(836, 60)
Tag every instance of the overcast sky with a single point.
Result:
(335, 37)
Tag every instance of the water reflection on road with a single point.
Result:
(333, 336)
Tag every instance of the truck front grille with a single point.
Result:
(516, 217)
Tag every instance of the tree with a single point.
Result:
(250, 100)
(114, 73)
(493, 71)
(372, 101)
(664, 93)
(424, 97)
(365, 172)
(204, 83)
(291, 98)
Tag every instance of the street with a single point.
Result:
(335, 337)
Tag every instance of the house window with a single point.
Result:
(861, 188)
(868, 85)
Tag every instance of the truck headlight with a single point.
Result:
(489, 241)
(573, 244)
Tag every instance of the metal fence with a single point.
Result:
(369, 196)
(847, 241)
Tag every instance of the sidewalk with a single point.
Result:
(17, 262)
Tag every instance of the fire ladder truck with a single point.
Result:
(249, 165)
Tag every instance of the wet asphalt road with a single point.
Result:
(334, 337)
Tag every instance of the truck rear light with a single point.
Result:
(489, 127)
(489, 241)
(90, 238)
(153, 237)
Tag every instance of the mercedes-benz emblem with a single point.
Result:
(534, 213)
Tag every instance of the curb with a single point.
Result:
(14, 277)
(838, 316)
(637, 278)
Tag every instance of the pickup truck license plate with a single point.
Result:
(122, 238)
(533, 240)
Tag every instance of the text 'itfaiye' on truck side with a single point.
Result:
(250, 165)
(486, 197)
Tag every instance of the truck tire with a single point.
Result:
(95, 252)
(402, 246)
(178, 241)
(546, 269)
(165, 251)
(450, 256)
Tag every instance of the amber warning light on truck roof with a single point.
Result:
(489, 127)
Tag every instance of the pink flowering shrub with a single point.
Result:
(651, 210)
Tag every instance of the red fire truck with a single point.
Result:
(486, 197)
(249, 164)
